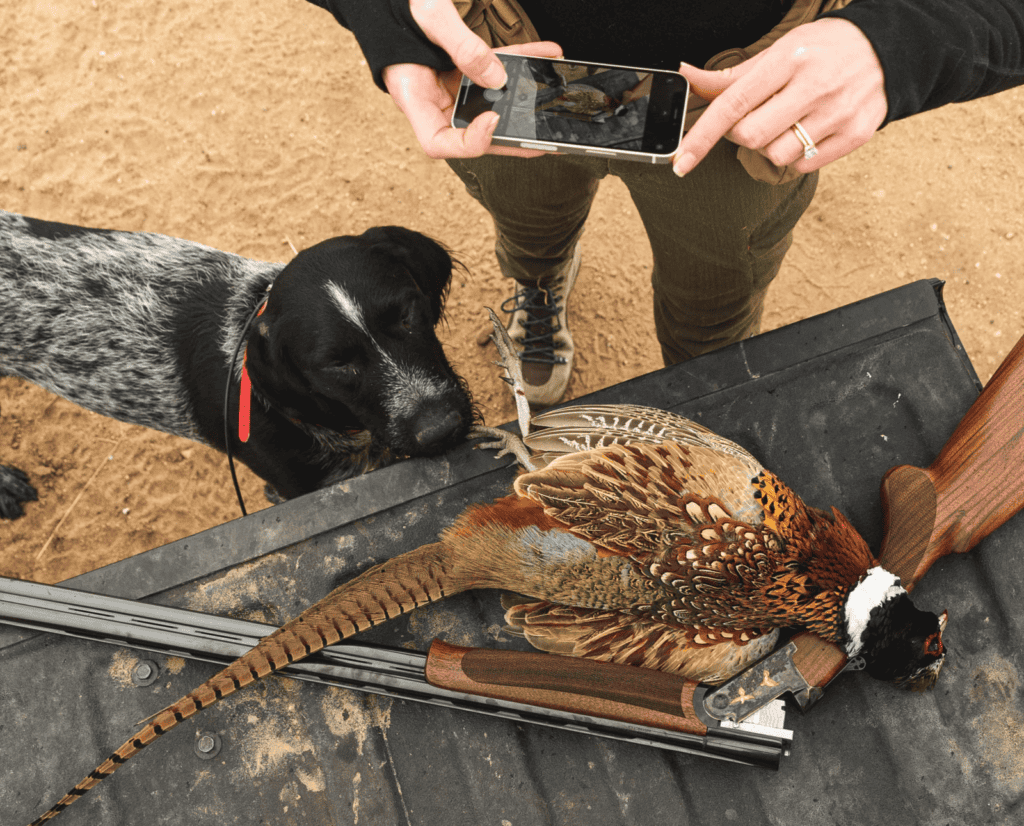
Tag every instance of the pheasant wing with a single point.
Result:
(645, 499)
(588, 427)
(685, 515)
(617, 637)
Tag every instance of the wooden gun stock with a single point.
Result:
(616, 692)
(974, 486)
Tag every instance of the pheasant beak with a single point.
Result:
(933, 646)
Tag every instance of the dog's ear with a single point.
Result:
(276, 377)
(429, 264)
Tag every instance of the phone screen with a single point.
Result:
(583, 104)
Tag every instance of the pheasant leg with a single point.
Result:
(513, 372)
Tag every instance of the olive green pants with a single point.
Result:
(717, 235)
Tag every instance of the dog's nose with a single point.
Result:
(434, 427)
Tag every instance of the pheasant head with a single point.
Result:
(898, 641)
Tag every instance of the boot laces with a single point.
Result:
(541, 306)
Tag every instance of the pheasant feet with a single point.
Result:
(507, 444)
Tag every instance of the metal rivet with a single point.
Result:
(720, 701)
(145, 673)
(207, 745)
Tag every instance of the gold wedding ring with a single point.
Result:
(810, 150)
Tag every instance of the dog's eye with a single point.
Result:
(407, 319)
(400, 319)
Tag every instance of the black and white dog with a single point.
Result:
(345, 369)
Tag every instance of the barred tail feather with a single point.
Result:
(163, 721)
(385, 591)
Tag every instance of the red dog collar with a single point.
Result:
(245, 390)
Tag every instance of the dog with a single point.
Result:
(345, 369)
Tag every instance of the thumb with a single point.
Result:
(443, 26)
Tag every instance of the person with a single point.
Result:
(787, 86)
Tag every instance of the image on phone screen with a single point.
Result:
(583, 104)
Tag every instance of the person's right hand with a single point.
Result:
(427, 97)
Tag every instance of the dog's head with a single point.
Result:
(347, 342)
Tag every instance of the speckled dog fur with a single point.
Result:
(346, 369)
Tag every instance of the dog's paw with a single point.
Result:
(14, 489)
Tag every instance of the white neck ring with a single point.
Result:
(876, 588)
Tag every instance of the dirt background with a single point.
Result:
(252, 126)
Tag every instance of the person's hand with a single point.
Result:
(427, 97)
(824, 75)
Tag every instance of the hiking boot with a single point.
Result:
(538, 327)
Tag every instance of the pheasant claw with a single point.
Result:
(505, 443)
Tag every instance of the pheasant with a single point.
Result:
(636, 536)
(585, 102)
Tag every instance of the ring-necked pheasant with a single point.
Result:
(584, 102)
(649, 540)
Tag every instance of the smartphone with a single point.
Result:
(583, 108)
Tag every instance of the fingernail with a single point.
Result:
(684, 164)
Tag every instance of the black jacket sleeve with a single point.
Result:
(386, 33)
(933, 52)
(936, 52)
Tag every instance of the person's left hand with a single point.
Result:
(824, 74)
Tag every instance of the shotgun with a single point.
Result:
(624, 703)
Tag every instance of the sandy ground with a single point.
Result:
(252, 126)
